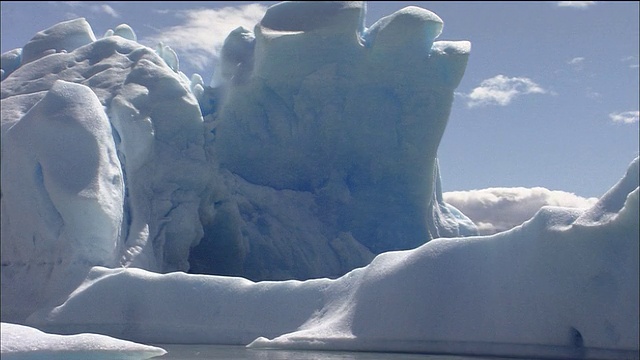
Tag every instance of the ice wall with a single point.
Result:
(103, 162)
(350, 118)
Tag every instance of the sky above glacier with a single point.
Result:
(549, 97)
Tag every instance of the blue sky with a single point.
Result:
(550, 96)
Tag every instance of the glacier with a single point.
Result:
(294, 203)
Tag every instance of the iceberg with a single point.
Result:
(271, 175)
(297, 204)
(24, 343)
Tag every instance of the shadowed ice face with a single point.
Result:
(330, 104)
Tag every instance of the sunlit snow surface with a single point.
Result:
(21, 342)
(114, 184)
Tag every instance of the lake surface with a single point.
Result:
(229, 352)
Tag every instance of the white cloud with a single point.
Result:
(577, 63)
(501, 90)
(69, 3)
(576, 60)
(498, 209)
(626, 117)
(199, 38)
(98, 9)
(576, 4)
(106, 9)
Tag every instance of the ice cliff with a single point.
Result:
(340, 125)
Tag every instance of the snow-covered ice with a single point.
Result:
(63, 37)
(21, 342)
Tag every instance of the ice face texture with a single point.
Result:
(562, 285)
(63, 193)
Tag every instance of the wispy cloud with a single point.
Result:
(576, 60)
(498, 209)
(576, 4)
(626, 117)
(96, 9)
(69, 3)
(199, 38)
(577, 63)
(106, 9)
(501, 90)
(592, 94)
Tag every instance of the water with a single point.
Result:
(229, 352)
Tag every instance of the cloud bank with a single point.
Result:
(501, 90)
(498, 209)
(199, 38)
